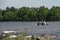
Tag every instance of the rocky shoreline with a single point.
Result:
(12, 34)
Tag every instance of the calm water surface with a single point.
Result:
(52, 28)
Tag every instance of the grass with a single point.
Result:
(17, 38)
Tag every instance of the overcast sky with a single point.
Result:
(28, 3)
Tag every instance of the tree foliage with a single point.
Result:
(30, 14)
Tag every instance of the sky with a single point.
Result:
(28, 3)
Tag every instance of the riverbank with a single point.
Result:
(10, 35)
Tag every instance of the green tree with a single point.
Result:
(10, 16)
(53, 14)
(1, 17)
(23, 13)
(12, 9)
(42, 12)
(3, 12)
(32, 14)
(57, 13)
(7, 9)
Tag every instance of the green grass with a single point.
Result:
(17, 38)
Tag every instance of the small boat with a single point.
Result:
(42, 23)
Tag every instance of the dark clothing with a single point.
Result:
(38, 23)
(42, 23)
(37, 39)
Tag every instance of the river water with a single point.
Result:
(51, 28)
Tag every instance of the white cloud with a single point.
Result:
(29, 3)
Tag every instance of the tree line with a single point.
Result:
(30, 14)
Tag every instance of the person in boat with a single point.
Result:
(38, 23)
(43, 23)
